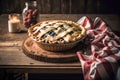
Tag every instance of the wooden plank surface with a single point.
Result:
(31, 49)
(12, 57)
(112, 20)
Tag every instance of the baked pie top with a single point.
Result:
(56, 31)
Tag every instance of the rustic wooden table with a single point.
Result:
(12, 58)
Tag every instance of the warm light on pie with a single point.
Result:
(56, 31)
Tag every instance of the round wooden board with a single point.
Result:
(31, 49)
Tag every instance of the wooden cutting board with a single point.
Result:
(32, 50)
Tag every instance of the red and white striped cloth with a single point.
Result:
(104, 59)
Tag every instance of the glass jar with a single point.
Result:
(30, 14)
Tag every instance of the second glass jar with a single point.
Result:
(30, 14)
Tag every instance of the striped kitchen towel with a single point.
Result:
(103, 59)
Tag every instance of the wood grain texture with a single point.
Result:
(77, 6)
(64, 6)
(32, 50)
(13, 59)
(55, 6)
(46, 6)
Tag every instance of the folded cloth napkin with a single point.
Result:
(103, 59)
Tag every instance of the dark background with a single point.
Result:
(64, 6)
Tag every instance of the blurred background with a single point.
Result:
(64, 6)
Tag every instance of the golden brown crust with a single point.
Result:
(69, 32)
